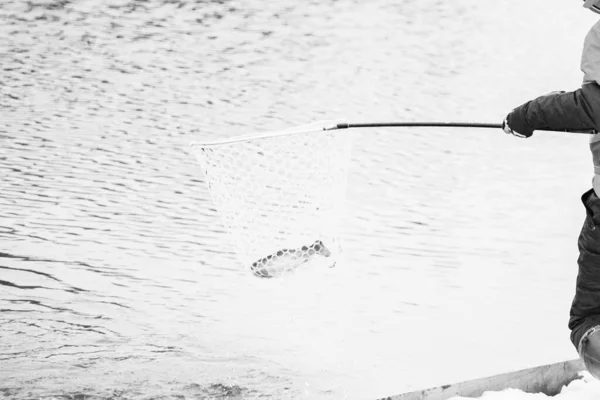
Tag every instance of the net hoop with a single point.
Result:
(281, 195)
(307, 128)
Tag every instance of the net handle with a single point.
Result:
(346, 125)
(332, 125)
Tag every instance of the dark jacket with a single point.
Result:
(559, 111)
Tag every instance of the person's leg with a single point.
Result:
(584, 319)
(589, 351)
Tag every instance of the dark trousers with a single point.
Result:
(585, 309)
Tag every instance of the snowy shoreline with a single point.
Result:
(562, 380)
(585, 387)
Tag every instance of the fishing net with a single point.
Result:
(281, 195)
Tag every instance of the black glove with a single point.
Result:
(508, 130)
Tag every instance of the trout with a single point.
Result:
(287, 259)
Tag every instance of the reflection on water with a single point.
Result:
(116, 278)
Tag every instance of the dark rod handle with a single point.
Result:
(430, 124)
(346, 125)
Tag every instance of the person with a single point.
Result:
(577, 110)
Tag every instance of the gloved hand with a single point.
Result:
(508, 130)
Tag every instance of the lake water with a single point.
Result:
(117, 280)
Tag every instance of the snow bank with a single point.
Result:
(586, 388)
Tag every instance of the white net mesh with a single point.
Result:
(281, 195)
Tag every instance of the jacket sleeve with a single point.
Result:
(559, 111)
